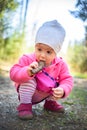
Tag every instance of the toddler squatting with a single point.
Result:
(51, 83)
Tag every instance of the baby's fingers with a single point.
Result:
(34, 65)
(57, 95)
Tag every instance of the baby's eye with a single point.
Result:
(49, 52)
(39, 49)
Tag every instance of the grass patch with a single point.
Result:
(79, 94)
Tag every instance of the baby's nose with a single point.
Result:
(43, 55)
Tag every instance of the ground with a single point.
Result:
(74, 118)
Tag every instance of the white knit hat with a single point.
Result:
(52, 34)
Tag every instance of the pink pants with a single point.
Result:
(28, 93)
(39, 96)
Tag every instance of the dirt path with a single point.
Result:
(75, 117)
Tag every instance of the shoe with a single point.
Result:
(25, 111)
(53, 106)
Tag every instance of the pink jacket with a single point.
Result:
(58, 70)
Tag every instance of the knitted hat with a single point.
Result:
(52, 34)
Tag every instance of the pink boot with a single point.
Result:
(53, 106)
(25, 111)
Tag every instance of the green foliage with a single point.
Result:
(7, 5)
(8, 9)
(11, 41)
(12, 34)
(11, 48)
(77, 57)
(79, 75)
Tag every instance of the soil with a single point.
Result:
(74, 118)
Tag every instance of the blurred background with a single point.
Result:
(20, 20)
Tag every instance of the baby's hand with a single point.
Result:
(33, 65)
(57, 93)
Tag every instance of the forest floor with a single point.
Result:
(74, 118)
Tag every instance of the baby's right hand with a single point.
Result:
(33, 65)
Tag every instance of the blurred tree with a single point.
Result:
(7, 10)
(7, 5)
(25, 14)
(12, 27)
(81, 13)
(10, 37)
(77, 57)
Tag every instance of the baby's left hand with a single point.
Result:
(57, 93)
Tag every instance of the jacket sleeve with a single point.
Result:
(65, 79)
(18, 72)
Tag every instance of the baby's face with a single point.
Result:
(44, 53)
